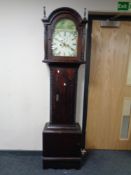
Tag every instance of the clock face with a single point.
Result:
(64, 40)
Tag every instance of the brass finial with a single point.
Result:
(85, 13)
(44, 11)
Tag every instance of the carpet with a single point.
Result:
(96, 163)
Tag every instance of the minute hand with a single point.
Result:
(58, 40)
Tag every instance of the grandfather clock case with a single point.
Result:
(64, 53)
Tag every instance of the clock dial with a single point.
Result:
(64, 40)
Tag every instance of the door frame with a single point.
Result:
(115, 16)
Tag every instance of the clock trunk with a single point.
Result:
(63, 93)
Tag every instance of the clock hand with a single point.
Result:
(72, 48)
(57, 40)
(61, 42)
(67, 45)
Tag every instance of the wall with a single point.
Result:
(24, 79)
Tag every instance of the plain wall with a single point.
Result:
(24, 79)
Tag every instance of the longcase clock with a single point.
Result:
(64, 53)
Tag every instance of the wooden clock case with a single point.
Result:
(62, 135)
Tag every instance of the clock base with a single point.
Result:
(62, 162)
(62, 146)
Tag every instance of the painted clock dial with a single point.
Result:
(65, 39)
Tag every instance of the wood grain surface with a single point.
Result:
(107, 86)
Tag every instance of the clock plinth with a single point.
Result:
(62, 146)
(64, 52)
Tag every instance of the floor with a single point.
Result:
(96, 163)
